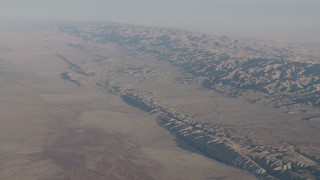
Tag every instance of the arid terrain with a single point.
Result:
(113, 101)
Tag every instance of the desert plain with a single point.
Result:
(58, 122)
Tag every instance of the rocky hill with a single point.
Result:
(210, 61)
(225, 145)
(286, 75)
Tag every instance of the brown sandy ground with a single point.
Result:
(54, 129)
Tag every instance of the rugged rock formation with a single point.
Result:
(277, 75)
(225, 64)
(221, 145)
(74, 73)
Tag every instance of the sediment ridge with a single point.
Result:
(225, 145)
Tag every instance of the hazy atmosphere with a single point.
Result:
(288, 19)
(159, 90)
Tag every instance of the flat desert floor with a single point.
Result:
(51, 128)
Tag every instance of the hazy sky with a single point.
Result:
(293, 19)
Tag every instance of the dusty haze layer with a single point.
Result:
(272, 19)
